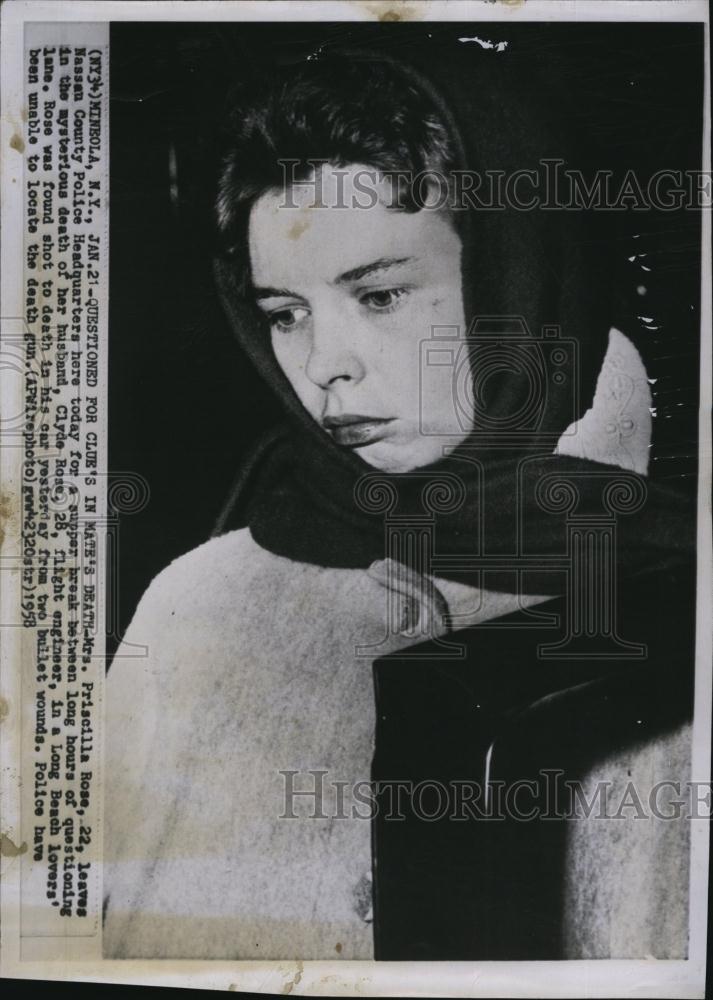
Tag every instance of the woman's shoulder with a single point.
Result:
(230, 600)
(219, 596)
(215, 555)
(222, 568)
(231, 578)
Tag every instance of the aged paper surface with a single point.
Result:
(114, 831)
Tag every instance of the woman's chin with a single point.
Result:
(393, 456)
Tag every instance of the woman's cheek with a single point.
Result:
(287, 350)
(291, 354)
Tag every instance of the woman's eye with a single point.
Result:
(383, 299)
(287, 319)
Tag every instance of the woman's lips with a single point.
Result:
(355, 430)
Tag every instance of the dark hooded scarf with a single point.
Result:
(537, 298)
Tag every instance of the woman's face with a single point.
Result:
(352, 294)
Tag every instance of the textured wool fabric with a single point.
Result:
(626, 880)
(545, 269)
(240, 664)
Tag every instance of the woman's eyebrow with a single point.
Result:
(366, 269)
(353, 274)
(273, 293)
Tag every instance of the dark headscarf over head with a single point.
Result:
(498, 510)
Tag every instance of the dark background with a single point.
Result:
(184, 403)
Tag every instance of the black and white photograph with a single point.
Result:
(361, 462)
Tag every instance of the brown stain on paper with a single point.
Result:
(5, 514)
(394, 10)
(18, 143)
(4, 709)
(9, 848)
(296, 979)
(297, 228)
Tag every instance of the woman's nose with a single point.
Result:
(333, 352)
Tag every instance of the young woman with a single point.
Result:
(466, 445)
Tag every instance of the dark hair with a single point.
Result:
(335, 111)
